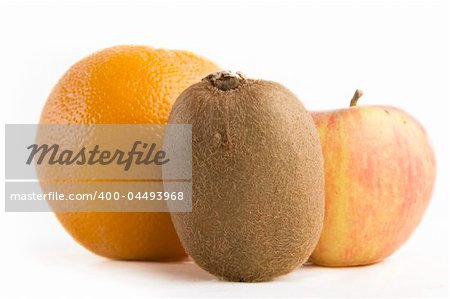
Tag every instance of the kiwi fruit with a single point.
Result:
(257, 178)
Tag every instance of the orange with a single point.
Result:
(124, 85)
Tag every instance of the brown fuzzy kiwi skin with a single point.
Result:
(258, 182)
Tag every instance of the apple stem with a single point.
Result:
(356, 96)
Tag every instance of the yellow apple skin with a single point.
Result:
(379, 175)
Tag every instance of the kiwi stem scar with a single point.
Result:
(226, 80)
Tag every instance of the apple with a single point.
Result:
(379, 175)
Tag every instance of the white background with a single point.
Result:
(397, 52)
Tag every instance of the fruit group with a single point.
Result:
(379, 175)
(257, 170)
(124, 85)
